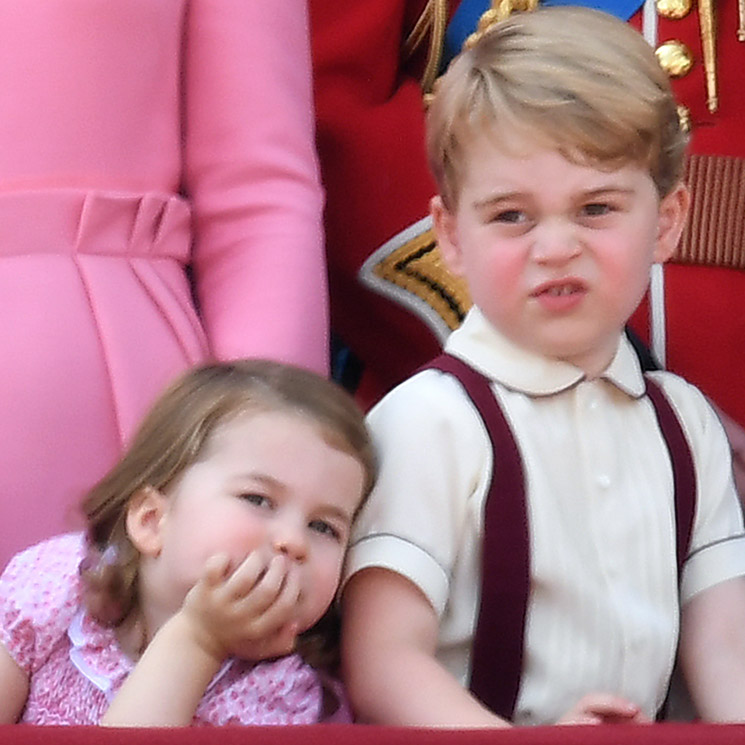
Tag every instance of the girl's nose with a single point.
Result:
(290, 539)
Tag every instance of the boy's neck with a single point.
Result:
(592, 363)
(595, 364)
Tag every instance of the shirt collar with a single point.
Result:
(487, 350)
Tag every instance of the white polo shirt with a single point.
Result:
(604, 606)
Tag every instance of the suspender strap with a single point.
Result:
(684, 472)
(497, 653)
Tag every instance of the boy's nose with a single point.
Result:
(290, 539)
(555, 243)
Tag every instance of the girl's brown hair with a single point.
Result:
(173, 436)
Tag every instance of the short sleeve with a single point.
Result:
(39, 595)
(435, 465)
(717, 550)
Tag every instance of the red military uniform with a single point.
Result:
(371, 144)
(705, 304)
(370, 136)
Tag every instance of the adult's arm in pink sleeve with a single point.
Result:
(251, 172)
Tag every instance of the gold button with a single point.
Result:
(675, 58)
(674, 9)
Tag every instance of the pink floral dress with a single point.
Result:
(75, 665)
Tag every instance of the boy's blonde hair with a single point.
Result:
(568, 78)
(174, 435)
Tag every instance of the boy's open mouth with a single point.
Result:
(559, 289)
(561, 296)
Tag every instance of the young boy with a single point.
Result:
(557, 149)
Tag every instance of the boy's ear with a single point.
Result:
(671, 221)
(146, 514)
(443, 223)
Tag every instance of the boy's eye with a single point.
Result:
(324, 528)
(513, 217)
(257, 499)
(597, 209)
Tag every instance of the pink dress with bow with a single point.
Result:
(136, 138)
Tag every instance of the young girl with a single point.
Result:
(212, 546)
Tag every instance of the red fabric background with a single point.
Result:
(705, 306)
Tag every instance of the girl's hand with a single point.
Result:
(247, 614)
(604, 708)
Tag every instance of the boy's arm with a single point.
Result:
(712, 650)
(388, 653)
(13, 688)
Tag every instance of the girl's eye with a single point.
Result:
(324, 528)
(257, 499)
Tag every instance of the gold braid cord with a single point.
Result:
(432, 22)
(417, 267)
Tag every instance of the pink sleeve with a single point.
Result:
(252, 174)
(39, 595)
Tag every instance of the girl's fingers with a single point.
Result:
(285, 605)
(250, 572)
(257, 601)
(278, 603)
(216, 569)
(254, 598)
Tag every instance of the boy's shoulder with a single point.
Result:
(426, 417)
(427, 396)
(690, 404)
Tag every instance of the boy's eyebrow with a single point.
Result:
(490, 201)
(612, 189)
(496, 198)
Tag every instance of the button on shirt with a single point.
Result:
(604, 605)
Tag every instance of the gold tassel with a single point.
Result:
(708, 42)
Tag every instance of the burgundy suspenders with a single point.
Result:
(505, 568)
